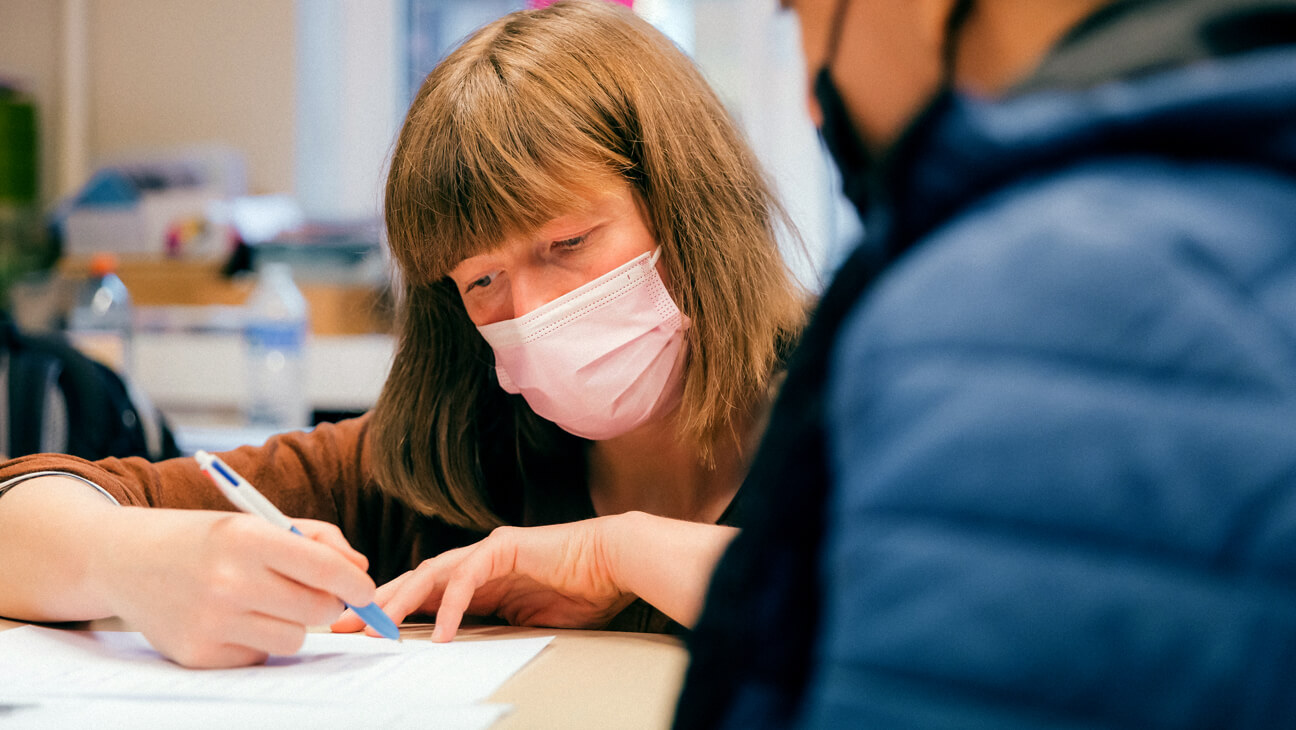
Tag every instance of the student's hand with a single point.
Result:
(216, 589)
(557, 575)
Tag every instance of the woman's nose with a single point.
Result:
(529, 292)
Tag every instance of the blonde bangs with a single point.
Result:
(488, 155)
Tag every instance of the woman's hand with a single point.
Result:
(574, 575)
(555, 575)
(207, 589)
(215, 589)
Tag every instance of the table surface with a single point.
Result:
(583, 679)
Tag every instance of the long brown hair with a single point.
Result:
(506, 134)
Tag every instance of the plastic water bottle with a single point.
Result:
(100, 324)
(274, 338)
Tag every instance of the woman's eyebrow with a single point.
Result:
(566, 225)
(471, 264)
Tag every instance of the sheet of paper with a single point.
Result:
(106, 714)
(330, 668)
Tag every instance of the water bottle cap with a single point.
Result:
(102, 264)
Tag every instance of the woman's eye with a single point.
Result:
(569, 242)
(482, 282)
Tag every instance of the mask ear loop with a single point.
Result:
(834, 35)
(958, 17)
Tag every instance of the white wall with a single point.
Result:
(175, 73)
(29, 55)
(142, 74)
(117, 78)
(351, 60)
(750, 52)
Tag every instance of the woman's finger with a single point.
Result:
(329, 534)
(418, 588)
(392, 587)
(267, 633)
(242, 639)
(347, 623)
(473, 572)
(278, 597)
(350, 622)
(318, 566)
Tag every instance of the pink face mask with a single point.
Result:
(601, 359)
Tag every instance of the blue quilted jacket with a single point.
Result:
(1062, 430)
(1058, 432)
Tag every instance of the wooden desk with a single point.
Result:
(583, 679)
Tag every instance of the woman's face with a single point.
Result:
(567, 252)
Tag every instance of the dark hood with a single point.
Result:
(1233, 109)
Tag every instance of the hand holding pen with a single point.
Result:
(246, 498)
(206, 588)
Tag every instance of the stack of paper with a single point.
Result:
(105, 679)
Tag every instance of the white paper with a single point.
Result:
(106, 714)
(350, 673)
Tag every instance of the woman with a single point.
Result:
(593, 309)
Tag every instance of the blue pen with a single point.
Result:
(245, 496)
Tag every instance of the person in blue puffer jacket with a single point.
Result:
(1034, 464)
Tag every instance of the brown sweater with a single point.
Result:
(323, 474)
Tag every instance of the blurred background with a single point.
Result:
(222, 163)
